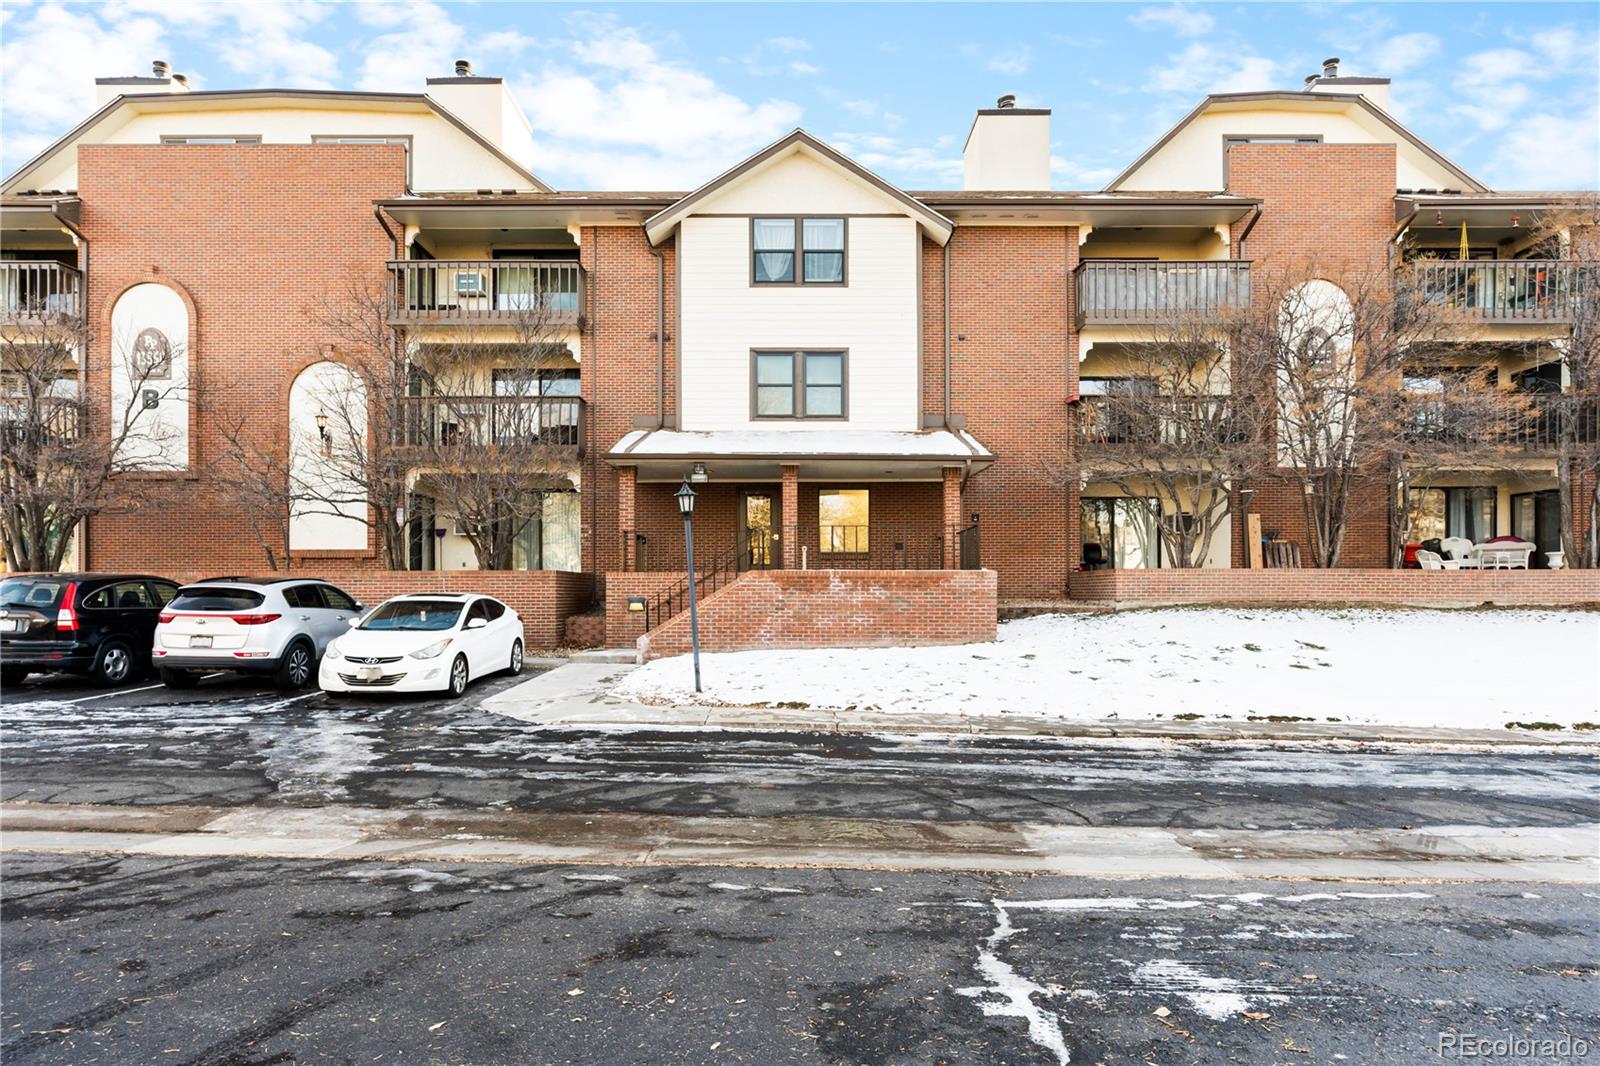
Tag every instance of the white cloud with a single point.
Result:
(1206, 68)
(1181, 19)
(1547, 151)
(1400, 54)
(1011, 61)
(789, 44)
(1070, 174)
(798, 67)
(911, 164)
(619, 114)
(423, 42)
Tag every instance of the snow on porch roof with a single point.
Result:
(648, 444)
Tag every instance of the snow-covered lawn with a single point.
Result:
(1464, 669)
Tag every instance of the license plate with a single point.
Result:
(200, 642)
(10, 625)
(371, 673)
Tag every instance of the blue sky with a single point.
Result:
(663, 96)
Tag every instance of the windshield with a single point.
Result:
(215, 598)
(417, 615)
(41, 594)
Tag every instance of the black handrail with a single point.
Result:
(674, 600)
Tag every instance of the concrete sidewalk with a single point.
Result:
(577, 696)
(1435, 853)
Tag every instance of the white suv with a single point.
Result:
(278, 626)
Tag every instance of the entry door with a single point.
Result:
(1536, 517)
(759, 526)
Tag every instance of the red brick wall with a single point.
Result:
(1415, 588)
(1332, 204)
(623, 627)
(544, 598)
(1013, 365)
(837, 609)
(253, 235)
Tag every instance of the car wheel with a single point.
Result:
(516, 658)
(458, 676)
(12, 675)
(113, 665)
(179, 678)
(296, 668)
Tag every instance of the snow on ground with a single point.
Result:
(1462, 669)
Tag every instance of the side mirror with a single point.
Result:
(354, 622)
(477, 623)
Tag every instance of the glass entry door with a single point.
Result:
(758, 530)
(1536, 517)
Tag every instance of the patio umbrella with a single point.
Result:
(1463, 254)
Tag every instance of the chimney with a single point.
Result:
(159, 81)
(485, 104)
(1008, 148)
(1376, 90)
(1330, 67)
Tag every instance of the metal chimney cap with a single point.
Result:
(1311, 79)
(161, 68)
(1330, 67)
(1009, 100)
(463, 68)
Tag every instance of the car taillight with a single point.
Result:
(66, 617)
(167, 617)
(255, 619)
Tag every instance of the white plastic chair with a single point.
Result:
(1461, 550)
(1432, 561)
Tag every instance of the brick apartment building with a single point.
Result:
(853, 376)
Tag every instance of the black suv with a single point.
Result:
(99, 625)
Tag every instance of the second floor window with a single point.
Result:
(798, 385)
(805, 251)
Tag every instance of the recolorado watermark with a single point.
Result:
(1512, 1048)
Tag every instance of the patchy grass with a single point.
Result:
(1548, 727)
(1277, 718)
(1586, 727)
(1187, 716)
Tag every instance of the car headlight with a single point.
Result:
(332, 652)
(432, 651)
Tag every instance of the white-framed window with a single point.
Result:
(797, 251)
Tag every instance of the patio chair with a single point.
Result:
(1434, 561)
(1505, 554)
(1461, 550)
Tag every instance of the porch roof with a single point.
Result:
(855, 454)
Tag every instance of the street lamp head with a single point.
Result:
(685, 496)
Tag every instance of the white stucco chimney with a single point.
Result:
(1008, 148)
(485, 104)
(159, 80)
(1375, 90)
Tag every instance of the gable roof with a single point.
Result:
(659, 225)
(1285, 95)
(175, 100)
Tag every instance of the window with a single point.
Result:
(492, 609)
(125, 595)
(303, 596)
(1118, 532)
(798, 385)
(216, 598)
(843, 521)
(805, 251)
(1464, 512)
(478, 610)
(211, 138)
(164, 591)
(338, 599)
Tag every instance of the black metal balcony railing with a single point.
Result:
(488, 291)
(489, 422)
(1506, 290)
(821, 547)
(1152, 422)
(40, 289)
(54, 422)
(1532, 423)
(1112, 291)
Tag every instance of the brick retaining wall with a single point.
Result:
(837, 609)
(1411, 588)
(622, 628)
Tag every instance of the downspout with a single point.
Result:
(946, 302)
(394, 242)
(661, 335)
(1255, 216)
(83, 352)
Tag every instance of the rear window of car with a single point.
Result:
(215, 598)
(419, 615)
(41, 594)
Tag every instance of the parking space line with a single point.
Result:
(112, 692)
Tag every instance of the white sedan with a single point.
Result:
(425, 642)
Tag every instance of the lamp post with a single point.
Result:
(685, 496)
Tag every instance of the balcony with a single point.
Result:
(1152, 424)
(1538, 424)
(1506, 290)
(39, 291)
(53, 422)
(526, 293)
(486, 424)
(1125, 292)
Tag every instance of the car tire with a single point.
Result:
(179, 679)
(12, 675)
(113, 664)
(516, 658)
(457, 683)
(297, 667)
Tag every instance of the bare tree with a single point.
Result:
(253, 473)
(484, 421)
(60, 464)
(1178, 434)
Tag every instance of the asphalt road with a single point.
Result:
(234, 742)
(227, 961)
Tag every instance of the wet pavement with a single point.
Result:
(209, 961)
(232, 742)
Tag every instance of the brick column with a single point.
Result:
(791, 516)
(952, 517)
(627, 478)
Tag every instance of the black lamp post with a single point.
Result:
(685, 496)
